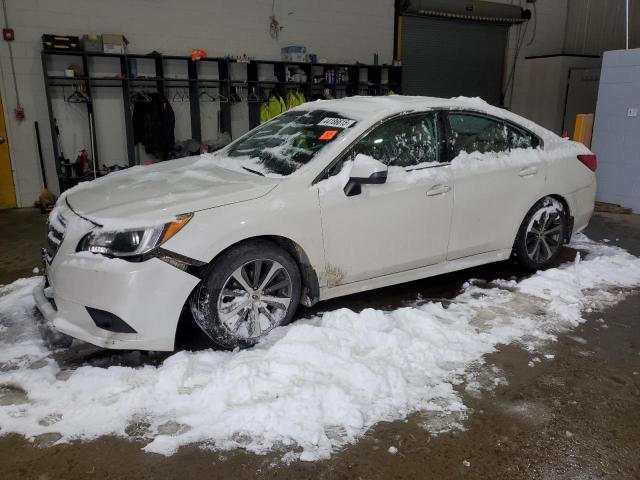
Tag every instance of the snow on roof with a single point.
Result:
(363, 107)
(397, 103)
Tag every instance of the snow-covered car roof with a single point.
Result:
(362, 107)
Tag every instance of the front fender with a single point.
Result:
(294, 215)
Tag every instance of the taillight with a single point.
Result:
(590, 161)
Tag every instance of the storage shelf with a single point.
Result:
(111, 80)
(214, 59)
(161, 82)
(76, 53)
(64, 77)
(144, 79)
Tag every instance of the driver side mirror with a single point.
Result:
(365, 171)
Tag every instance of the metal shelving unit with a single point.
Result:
(125, 80)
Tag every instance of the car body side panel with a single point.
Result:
(569, 179)
(491, 197)
(414, 274)
(572, 180)
(387, 228)
(292, 213)
(581, 205)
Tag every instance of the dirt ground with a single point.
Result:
(576, 414)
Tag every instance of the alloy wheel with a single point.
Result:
(255, 299)
(544, 235)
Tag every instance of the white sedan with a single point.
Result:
(330, 198)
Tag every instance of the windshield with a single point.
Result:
(290, 140)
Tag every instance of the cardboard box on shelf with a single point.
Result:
(294, 54)
(114, 43)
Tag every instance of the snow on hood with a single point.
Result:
(141, 196)
(312, 386)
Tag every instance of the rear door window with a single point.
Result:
(469, 132)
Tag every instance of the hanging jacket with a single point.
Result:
(273, 107)
(264, 112)
(294, 99)
(153, 126)
(283, 104)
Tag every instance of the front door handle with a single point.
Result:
(528, 172)
(438, 190)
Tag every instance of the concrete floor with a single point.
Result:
(23, 231)
(576, 416)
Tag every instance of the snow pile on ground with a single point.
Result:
(310, 387)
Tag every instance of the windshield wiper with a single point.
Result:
(253, 171)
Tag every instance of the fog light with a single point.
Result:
(109, 321)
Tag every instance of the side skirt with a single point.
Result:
(415, 274)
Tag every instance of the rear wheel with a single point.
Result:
(245, 294)
(541, 234)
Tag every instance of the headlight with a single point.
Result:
(131, 242)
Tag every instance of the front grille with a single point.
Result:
(56, 228)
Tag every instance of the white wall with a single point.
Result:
(616, 138)
(546, 93)
(341, 31)
(544, 35)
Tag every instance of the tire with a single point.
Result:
(247, 292)
(541, 235)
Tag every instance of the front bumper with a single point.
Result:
(148, 296)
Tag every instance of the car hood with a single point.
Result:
(141, 196)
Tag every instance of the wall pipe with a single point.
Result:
(627, 24)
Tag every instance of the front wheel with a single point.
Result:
(541, 234)
(246, 293)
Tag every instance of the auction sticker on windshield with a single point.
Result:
(328, 135)
(336, 122)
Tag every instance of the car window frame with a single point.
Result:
(477, 113)
(441, 133)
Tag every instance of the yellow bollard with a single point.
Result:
(584, 129)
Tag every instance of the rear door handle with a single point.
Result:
(438, 190)
(528, 172)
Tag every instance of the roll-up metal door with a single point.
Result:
(448, 58)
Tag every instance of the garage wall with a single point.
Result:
(595, 26)
(547, 89)
(544, 35)
(587, 27)
(337, 30)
